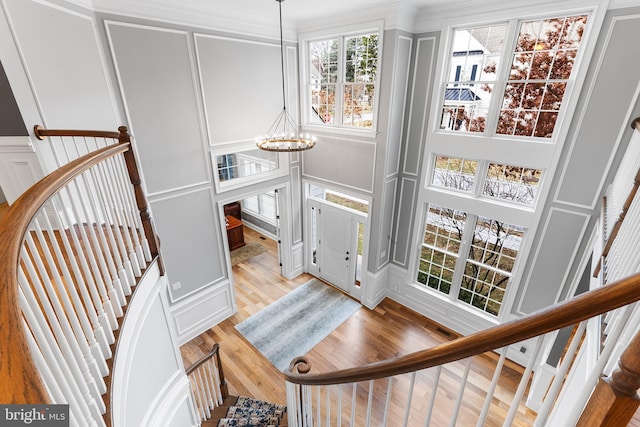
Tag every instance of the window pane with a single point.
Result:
(489, 264)
(474, 62)
(454, 173)
(512, 183)
(245, 163)
(323, 76)
(540, 66)
(361, 64)
(440, 247)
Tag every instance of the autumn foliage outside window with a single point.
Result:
(342, 79)
(535, 77)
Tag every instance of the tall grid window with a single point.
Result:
(530, 79)
(341, 80)
(480, 277)
(440, 247)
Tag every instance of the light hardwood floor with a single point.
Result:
(369, 335)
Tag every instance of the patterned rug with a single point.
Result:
(246, 252)
(295, 323)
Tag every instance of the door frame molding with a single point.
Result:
(356, 292)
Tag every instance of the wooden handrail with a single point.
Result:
(20, 381)
(41, 133)
(569, 312)
(635, 124)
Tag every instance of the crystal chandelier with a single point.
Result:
(283, 135)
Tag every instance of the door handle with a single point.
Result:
(346, 259)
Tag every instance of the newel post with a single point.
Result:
(141, 198)
(615, 399)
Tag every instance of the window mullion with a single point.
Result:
(502, 78)
(339, 97)
(481, 175)
(467, 239)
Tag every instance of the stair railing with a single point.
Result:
(208, 386)
(72, 249)
(405, 390)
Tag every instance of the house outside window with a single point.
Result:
(531, 79)
(340, 79)
(503, 84)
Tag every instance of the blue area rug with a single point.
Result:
(295, 323)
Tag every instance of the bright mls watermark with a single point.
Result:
(34, 415)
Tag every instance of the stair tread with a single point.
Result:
(247, 411)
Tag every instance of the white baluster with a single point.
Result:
(72, 313)
(432, 401)
(90, 291)
(58, 348)
(524, 382)
(463, 385)
(412, 383)
(559, 378)
(492, 387)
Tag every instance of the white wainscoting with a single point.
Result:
(375, 287)
(202, 310)
(148, 372)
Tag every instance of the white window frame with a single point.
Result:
(222, 149)
(305, 101)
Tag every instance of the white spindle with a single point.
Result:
(554, 389)
(84, 307)
(412, 383)
(432, 401)
(103, 328)
(94, 253)
(56, 349)
(125, 271)
(61, 300)
(387, 402)
(52, 373)
(354, 393)
(492, 388)
(95, 218)
(128, 209)
(143, 252)
(524, 382)
(463, 385)
(60, 327)
(114, 237)
(369, 403)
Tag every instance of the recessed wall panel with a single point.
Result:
(189, 240)
(346, 162)
(242, 86)
(552, 259)
(154, 67)
(64, 65)
(598, 128)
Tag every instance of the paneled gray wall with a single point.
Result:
(596, 140)
(424, 53)
(158, 79)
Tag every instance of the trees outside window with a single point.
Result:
(473, 264)
(341, 80)
(534, 76)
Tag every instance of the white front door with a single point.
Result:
(334, 246)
